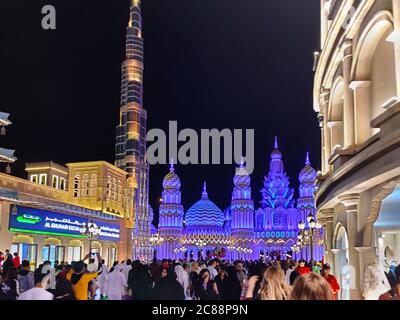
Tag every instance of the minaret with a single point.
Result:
(131, 137)
(171, 212)
(305, 202)
(242, 213)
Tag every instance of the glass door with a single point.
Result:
(60, 253)
(74, 254)
(26, 252)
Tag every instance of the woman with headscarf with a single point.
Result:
(167, 287)
(140, 281)
(228, 284)
(8, 263)
(183, 279)
(206, 288)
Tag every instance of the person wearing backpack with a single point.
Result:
(25, 277)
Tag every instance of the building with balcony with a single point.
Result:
(357, 101)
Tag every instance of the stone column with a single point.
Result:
(324, 23)
(325, 217)
(327, 134)
(395, 38)
(321, 125)
(351, 203)
(336, 130)
(348, 107)
(362, 110)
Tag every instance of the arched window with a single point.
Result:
(93, 185)
(77, 182)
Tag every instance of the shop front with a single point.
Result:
(41, 235)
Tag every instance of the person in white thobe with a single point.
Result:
(125, 270)
(183, 278)
(116, 283)
(102, 279)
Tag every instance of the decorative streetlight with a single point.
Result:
(92, 232)
(155, 241)
(307, 236)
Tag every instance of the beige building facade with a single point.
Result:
(44, 220)
(357, 99)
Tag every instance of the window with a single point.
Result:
(54, 183)
(93, 185)
(108, 187)
(62, 183)
(34, 178)
(43, 179)
(74, 254)
(119, 191)
(77, 180)
(85, 185)
(114, 189)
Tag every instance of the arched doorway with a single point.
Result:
(387, 230)
(342, 262)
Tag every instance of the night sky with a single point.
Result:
(208, 64)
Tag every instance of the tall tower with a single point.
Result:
(171, 212)
(131, 138)
(242, 213)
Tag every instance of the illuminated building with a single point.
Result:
(131, 137)
(44, 217)
(6, 155)
(357, 99)
(239, 231)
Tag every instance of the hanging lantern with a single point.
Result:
(3, 131)
(8, 169)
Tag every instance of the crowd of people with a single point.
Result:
(170, 280)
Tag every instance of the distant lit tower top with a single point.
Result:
(307, 178)
(6, 155)
(277, 192)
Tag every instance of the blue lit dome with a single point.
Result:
(204, 213)
(171, 180)
(308, 173)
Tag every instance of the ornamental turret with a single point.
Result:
(242, 214)
(305, 202)
(171, 213)
(277, 192)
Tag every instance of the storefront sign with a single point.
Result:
(47, 222)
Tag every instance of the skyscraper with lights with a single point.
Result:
(131, 137)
